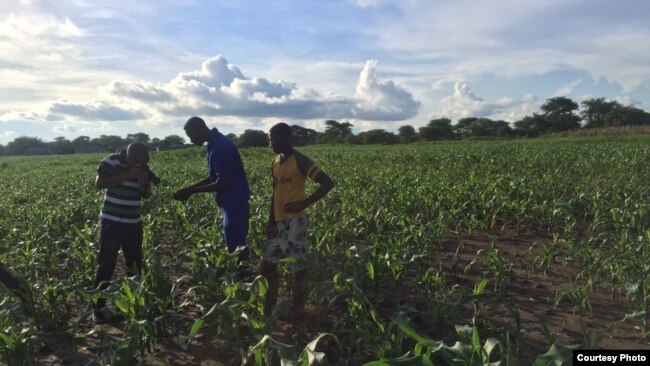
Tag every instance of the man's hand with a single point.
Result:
(296, 206)
(145, 186)
(135, 172)
(271, 230)
(143, 179)
(182, 194)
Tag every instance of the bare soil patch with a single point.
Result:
(532, 292)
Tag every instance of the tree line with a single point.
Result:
(558, 114)
(25, 145)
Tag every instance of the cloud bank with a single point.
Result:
(465, 103)
(221, 89)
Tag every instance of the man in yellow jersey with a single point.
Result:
(287, 225)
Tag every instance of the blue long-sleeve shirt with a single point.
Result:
(225, 167)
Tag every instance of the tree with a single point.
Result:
(137, 137)
(462, 124)
(626, 116)
(110, 142)
(504, 129)
(437, 129)
(532, 126)
(171, 142)
(595, 109)
(303, 136)
(61, 145)
(2, 150)
(154, 144)
(253, 138)
(560, 114)
(353, 139)
(336, 132)
(378, 136)
(485, 127)
(232, 137)
(23, 143)
(559, 105)
(80, 141)
(407, 134)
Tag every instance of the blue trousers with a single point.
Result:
(235, 224)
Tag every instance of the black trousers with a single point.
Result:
(112, 237)
(7, 278)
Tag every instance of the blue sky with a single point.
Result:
(97, 67)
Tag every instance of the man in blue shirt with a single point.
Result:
(226, 180)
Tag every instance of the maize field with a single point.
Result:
(444, 253)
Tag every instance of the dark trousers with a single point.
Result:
(235, 224)
(113, 236)
(7, 278)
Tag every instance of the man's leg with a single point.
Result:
(132, 249)
(7, 278)
(298, 236)
(298, 289)
(235, 225)
(245, 217)
(108, 248)
(270, 272)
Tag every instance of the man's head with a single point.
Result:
(196, 130)
(280, 138)
(137, 154)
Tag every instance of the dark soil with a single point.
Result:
(531, 291)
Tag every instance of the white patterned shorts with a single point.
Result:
(291, 242)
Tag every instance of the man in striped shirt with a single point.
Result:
(126, 182)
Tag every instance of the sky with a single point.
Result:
(90, 68)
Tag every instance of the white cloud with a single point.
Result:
(94, 111)
(25, 28)
(215, 72)
(21, 116)
(627, 101)
(367, 3)
(465, 38)
(64, 129)
(145, 92)
(7, 133)
(221, 89)
(35, 39)
(382, 99)
(465, 103)
(567, 89)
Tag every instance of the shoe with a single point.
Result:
(245, 273)
(104, 316)
(244, 255)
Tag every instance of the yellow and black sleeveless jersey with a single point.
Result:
(289, 175)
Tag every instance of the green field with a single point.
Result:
(430, 252)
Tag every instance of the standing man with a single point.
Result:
(226, 179)
(125, 178)
(288, 222)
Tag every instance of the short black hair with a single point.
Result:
(281, 129)
(138, 151)
(195, 122)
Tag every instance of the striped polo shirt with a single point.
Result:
(121, 203)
